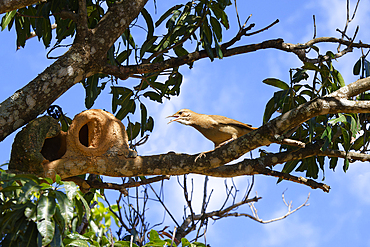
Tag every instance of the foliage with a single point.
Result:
(338, 130)
(36, 211)
(200, 21)
(33, 210)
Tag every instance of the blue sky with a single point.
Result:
(233, 87)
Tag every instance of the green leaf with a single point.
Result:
(121, 96)
(57, 240)
(45, 208)
(31, 234)
(300, 75)
(208, 48)
(270, 108)
(185, 242)
(218, 50)
(338, 78)
(28, 190)
(110, 55)
(147, 45)
(65, 205)
(45, 10)
(86, 206)
(59, 220)
(346, 139)
(79, 243)
(321, 160)
(153, 235)
(327, 136)
(315, 48)
(149, 23)
(167, 13)
(114, 99)
(346, 164)
(46, 37)
(126, 36)
(311, 66)
(10, 188)
(71, 189)
(180, 51)
(7, 18)
(126, 108)
(144, 114)
(312, 168)
(153, 96)
(216, 27)
(171, 22)
(124, 244)
(220, 14)
(92, 90)
(355, 127)
(123, 56)
(341, 118)
(357, 67)
(58, 180)
(150, 124)
(30, 211)
(45, 211)
(133, 130)
(207, 32)
(288, 168)
(358, 143)
(276, 83)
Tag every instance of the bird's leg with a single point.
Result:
(226, 142)
(202, 154)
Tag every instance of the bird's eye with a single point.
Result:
(180, 113)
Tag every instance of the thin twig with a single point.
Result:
(237, 15)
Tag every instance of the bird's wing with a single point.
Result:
(229, 121)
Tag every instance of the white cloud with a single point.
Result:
(290, 230)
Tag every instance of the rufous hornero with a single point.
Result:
(218, 129)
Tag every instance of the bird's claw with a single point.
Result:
(200, 156)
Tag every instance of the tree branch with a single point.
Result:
(124, 72)
(179, 164)
(343, 154)
(80, 61)
(289, 206)
(81, 24)
(9, 5)
(87, 184)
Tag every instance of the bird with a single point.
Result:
(218, 129)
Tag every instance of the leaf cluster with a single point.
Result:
(34, 213)
(338, 131)
(199, 21)
(156, 241)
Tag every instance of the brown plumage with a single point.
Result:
(215, 128)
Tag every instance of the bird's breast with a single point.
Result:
(218, 134)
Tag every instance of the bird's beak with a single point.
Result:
(176, 117)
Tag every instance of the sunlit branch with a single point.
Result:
(124, 72)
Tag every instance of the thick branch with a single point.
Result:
(79, 62)
(179, 164)
(34, 98)
(9, 5)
